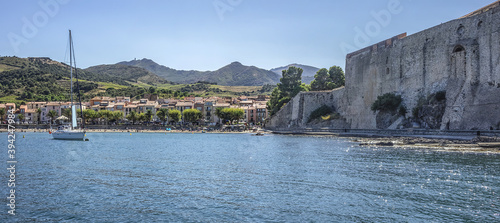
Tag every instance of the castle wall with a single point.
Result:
(295, 114)
(461, 57)
(424, 63)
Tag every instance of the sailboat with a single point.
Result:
(71, 132)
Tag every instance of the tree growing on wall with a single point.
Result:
(289, 86)
(328, 79)
(387, 102)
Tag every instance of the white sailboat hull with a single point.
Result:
(68, 135)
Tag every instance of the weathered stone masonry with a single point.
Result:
(461, 57)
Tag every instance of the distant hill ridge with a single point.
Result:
(234, 74)
(307, 75)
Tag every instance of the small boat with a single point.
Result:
(258, 134)
(69, 132)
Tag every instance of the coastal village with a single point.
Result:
(254, 107)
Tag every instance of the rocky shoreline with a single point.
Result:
(477, 144)
(463, 142)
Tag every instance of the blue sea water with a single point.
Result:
(176, 177)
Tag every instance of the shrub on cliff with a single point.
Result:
(387, 102)
(429, 110)
(319, 112)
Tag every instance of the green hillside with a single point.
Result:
(42, 79)
(127, 73)
(167, 73)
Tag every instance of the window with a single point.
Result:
(460, 30)
(458, 48)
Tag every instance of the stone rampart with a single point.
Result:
(461, 57)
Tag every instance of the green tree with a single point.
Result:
(2, 114)
(133, 116)
(116, 116)
(234, 114)
(39, 112)
(21, 117)
(90, 114)
(148, 116)
(328, 79)
(290, 86)
(337, 77)
(66, 112)
(162, 114)
(219, 113)
(174, 115)
(321, 80)
(192, 115)
(53, 115)
(141, 117)
(106, 115)
(291, 83)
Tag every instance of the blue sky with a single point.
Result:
(209, 34)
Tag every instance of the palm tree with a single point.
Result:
(39, 112)
(219, 113)
(141, 117)
(132, 116)
(162, 114)
(21, 117)
(148, 116)
(52, 114)
(2, 113)
(66, 112)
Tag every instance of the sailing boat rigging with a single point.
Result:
(71, 132)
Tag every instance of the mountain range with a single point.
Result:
(234, 74)
(149, 72)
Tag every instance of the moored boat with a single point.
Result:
(69, 132)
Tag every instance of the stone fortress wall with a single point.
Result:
(461, 57)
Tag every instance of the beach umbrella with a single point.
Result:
(62, 117)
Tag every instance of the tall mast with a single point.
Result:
(73, 60)
(71, 65)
